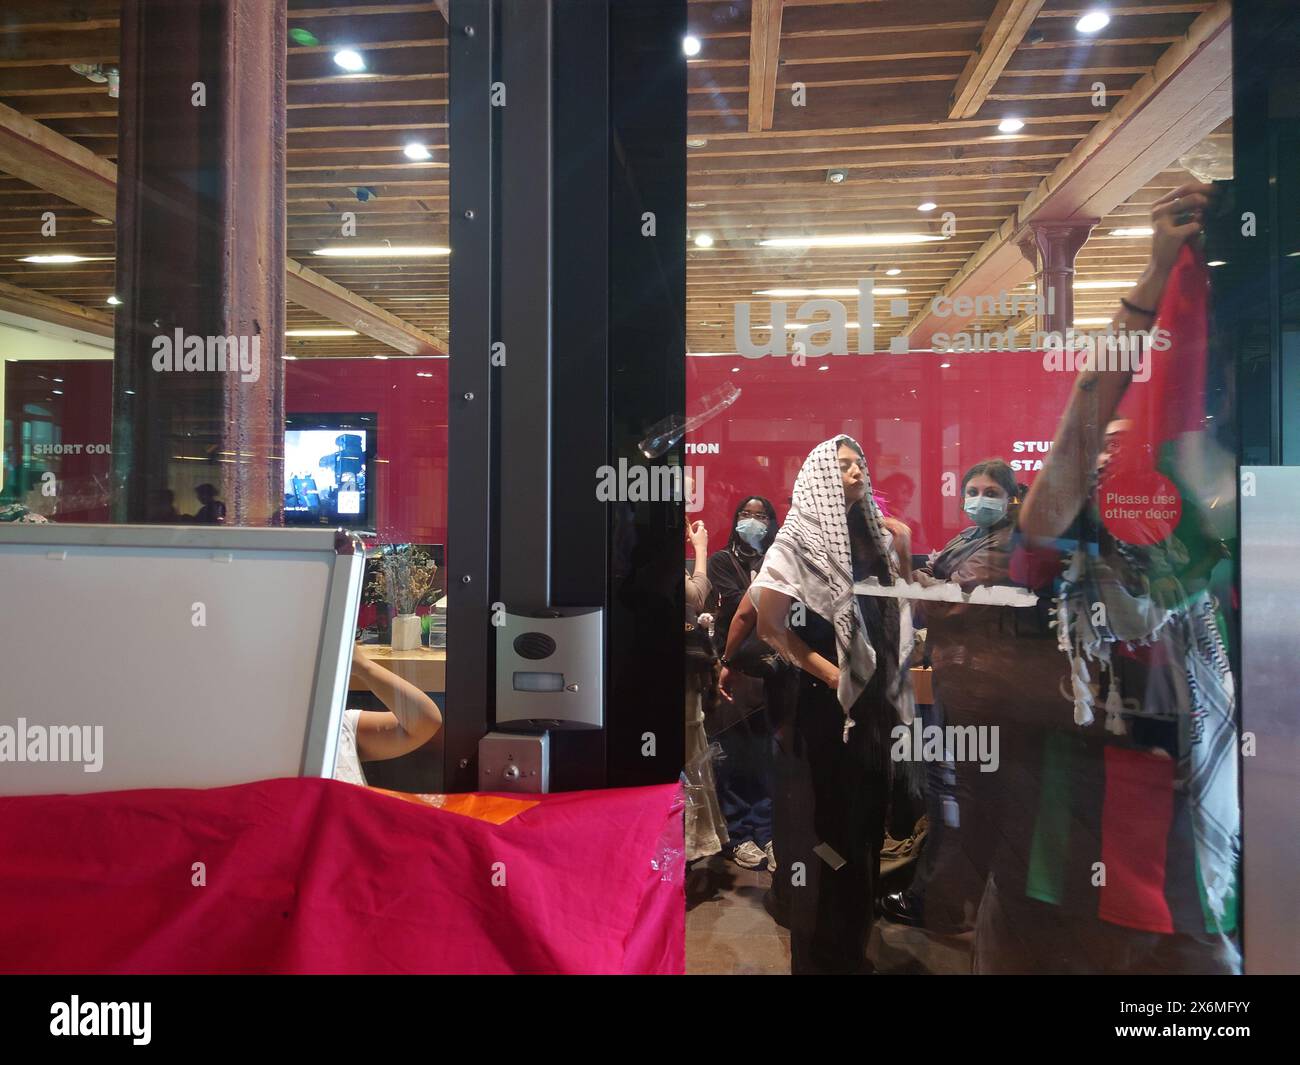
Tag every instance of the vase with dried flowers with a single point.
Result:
(406, 579)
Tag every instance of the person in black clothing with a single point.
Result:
(851, 693)
(753, 528)
(744, 773)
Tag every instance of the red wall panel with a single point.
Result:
(910, 413)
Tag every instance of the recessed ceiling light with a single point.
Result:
(836, 176)
(821, 368)
(817, 327)
(1132, 231)
(691, 45)
(852, 240)
(703, 240)
(1010, 125)
(349, 60)
(793, 293)
(320, 332)
(113, 301)
(696, 142)
(735, 369)
(417, 152)
(893, 271)
(1092, 22)
(381, 357)
(382, 251)
(1216, 262)
(944, 365)
(57, 259)
(697, 203)
(929, 205)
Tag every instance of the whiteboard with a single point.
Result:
(172, 656)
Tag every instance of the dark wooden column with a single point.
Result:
(1056, 245)
(201, 249)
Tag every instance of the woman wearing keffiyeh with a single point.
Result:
(852, 691)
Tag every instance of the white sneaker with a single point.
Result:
(771, 859)
(748, 856)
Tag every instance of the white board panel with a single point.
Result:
(100, 632)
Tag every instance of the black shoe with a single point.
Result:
(903, 908)
(776, 908)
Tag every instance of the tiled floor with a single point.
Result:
(729, 932)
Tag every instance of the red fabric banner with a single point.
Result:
(318, 876)
(1137, 814)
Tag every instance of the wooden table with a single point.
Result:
(425, 667)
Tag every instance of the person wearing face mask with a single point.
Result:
(745, 770)
(974, 651)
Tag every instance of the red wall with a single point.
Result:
(72, 400)
(411, 459)
(908, 413)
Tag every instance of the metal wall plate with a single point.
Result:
(514, 762)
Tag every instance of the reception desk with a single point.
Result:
(425, 667)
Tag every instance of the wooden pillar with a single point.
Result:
(1051, 247)
(200, 257)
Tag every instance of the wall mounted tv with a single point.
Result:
(329, 460)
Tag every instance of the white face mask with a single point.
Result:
(985, 511)
(752, 531)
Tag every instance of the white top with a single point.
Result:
(347, 766)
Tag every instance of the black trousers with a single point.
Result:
(831, 804)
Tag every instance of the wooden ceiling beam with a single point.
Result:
(1006, 28)
(764, 58)
(318, 293)
(1182, 99)
(52, 309)
(39, 156)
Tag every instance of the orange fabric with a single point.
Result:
(495, 809)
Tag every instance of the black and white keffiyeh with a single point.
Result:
(1130, 598)
(811, 560)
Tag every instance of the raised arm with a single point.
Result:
(1061, 489)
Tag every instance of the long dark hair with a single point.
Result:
(734, 540)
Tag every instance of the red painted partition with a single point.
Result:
(912, 414)
(69, 403)
(409, 397)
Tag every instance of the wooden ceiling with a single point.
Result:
(344, 133)
(904, 96)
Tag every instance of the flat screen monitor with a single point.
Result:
(328, 462)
